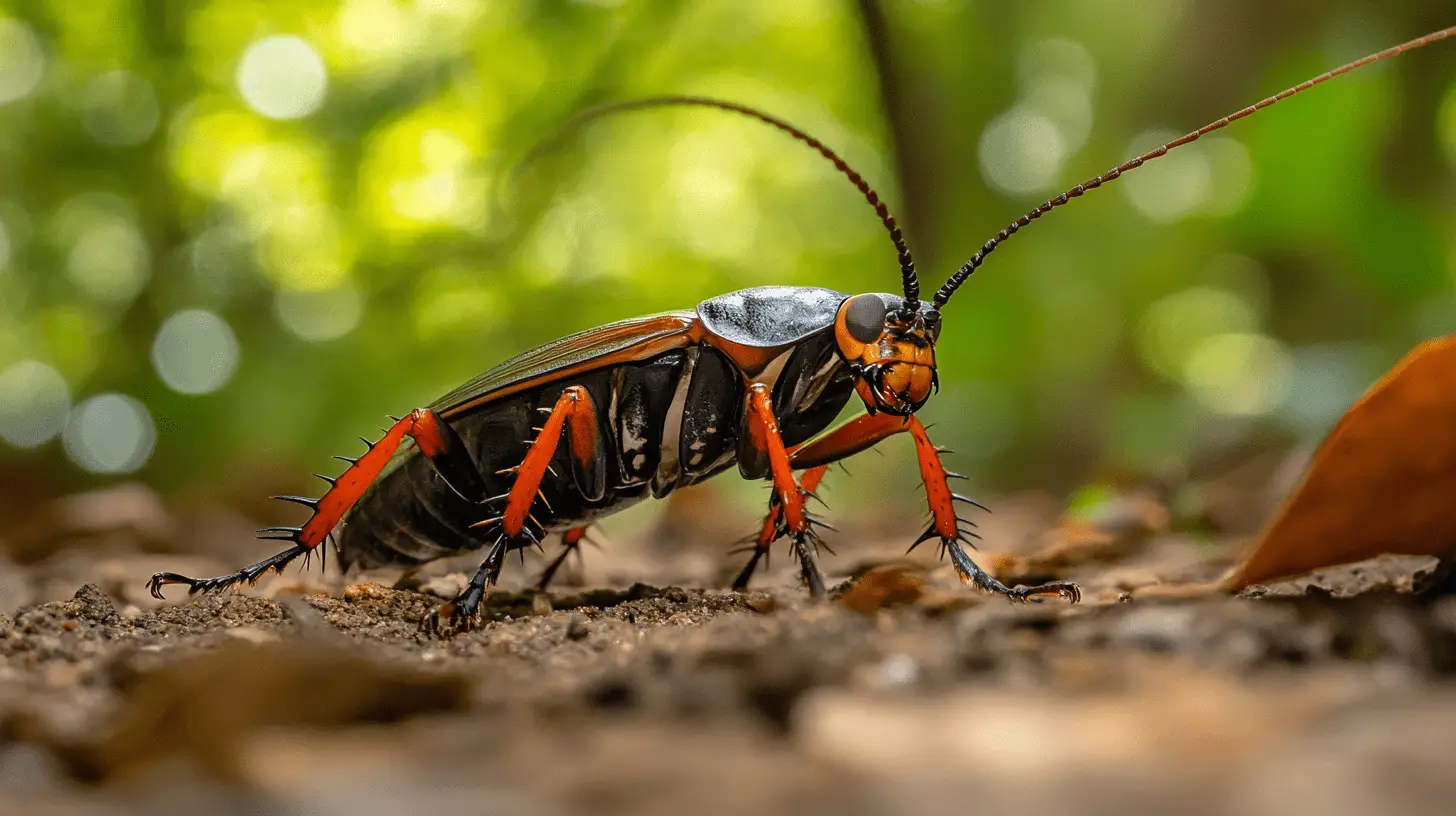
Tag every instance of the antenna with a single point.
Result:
(943, 295)
(907, 264)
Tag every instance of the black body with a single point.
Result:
(667, 421)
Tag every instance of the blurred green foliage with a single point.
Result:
(334, 181)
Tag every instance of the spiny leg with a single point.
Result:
(945, 525)
(763, 440)
(814, 457)
(463, 612)
(570, 543)
(773, 527)
(865, 431)
(574, 416)
(806, 550)
(436, 440)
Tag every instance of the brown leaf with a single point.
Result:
(1383, 481)
(883, 586)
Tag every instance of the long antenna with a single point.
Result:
(942, 296)
(907, 264)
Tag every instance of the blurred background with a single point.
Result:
(234, 235)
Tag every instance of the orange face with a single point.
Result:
(892, 354)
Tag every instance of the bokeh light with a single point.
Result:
(119, 109)
(110, 433)
(107, 257)
(1057, 78)
(282, 77)
(34, 402)
(1240, 373)
(195, 352)
(1021, 152)
(22, 62)
(1232, 169)
(1172, 187)
(1176, 326)
(323, 315)
(421, 171)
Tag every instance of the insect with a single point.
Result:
(564, 434)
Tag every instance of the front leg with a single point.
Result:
(866, 430)
(945, 525)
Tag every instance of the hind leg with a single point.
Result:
(436, 440)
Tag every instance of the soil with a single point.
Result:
(906, 693)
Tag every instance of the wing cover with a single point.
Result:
(613, 343)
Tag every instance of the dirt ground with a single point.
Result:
(632, 688)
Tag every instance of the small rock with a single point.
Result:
(576, 628)
(762, 604)
(91, 604)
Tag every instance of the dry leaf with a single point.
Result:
(1383, 481)
(883, 586)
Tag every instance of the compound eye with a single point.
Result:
(864, 317)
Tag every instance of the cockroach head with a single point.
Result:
(890, 347)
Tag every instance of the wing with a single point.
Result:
(623, 341)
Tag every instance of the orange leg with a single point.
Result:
(865, 431)
(945, 525)
(573, 417)
(573, 413)
(763, 432)
(773, 526)
(436, 440)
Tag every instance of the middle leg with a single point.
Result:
(762, 444)
(574, 417)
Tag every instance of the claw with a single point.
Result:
(452, 618)
(1063, 589)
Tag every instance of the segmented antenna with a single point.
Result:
(907, 264)
(953, 283)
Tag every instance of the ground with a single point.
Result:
(907, 693)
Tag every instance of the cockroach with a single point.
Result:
(562, 435)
